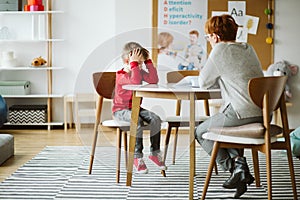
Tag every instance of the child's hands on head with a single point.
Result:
(137, 56)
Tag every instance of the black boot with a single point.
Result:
(240, 190)
(232, 181)
(239, 173)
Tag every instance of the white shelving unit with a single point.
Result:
(28, 68)
(30, 12)
(41, 32)
(31, 40)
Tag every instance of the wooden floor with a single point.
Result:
(28, 143)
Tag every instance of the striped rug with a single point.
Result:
(62, 173)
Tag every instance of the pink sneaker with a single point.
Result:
(140, 166)
(157, 160)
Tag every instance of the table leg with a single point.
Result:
(132, 138)
(192, 145)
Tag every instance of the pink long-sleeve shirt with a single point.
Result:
(123, 98)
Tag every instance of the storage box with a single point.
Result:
(15, 87)
(27, 114)
(10, 5)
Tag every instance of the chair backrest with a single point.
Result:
(176, 76)
(271, 85)
(104, 83)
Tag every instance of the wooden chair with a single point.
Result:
(268, 94)
(104, 83)
(177, 120)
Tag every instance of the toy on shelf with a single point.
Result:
(8, 59)
(37, 62)
(34, 5)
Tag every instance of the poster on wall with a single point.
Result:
(247, 24)
(181, 41)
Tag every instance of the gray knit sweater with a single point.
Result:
(230, 66)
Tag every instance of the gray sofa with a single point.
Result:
(6, 147)
(6, 140)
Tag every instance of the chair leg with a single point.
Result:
(292, 172)
(167, 141)
(70, 115)
(210, 168)
(93, 147)
(256, 167)
(125, 148)
(97, 122)
(118, 146)
(77, 118)
(175, 145)
(65, 115)
(269, 172)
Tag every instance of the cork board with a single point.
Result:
(258, 41)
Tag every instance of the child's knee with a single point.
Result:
(199, 131)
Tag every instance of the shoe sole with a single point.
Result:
(248, 180)
(141, 171)
(159, 167)
(162, 167)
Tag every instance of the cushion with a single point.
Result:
(253, 130)
(234, 139)
(6, 147)
(115, 123)
(185, 118)
(121, 124)
(295, 141)
(3, 111)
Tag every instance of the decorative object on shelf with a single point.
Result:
(3, 111)
(4, 33)
(27, 114)
(37, 62)
(15, 87)
(283, 68)
(8, 59)
(34, 5)
(10, 5)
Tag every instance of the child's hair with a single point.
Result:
(194, 32)
(145, 53)
(224, 26)
(164, 40)
(128, 47)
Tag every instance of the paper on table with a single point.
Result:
(191, 81)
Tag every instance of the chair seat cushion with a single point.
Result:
(246, 134)
(115, 123)
(233, 139)
(184, 118)
(253, 130)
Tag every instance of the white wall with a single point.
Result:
(95, 31)
(287, 46)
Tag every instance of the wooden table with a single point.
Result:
(166, 92)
